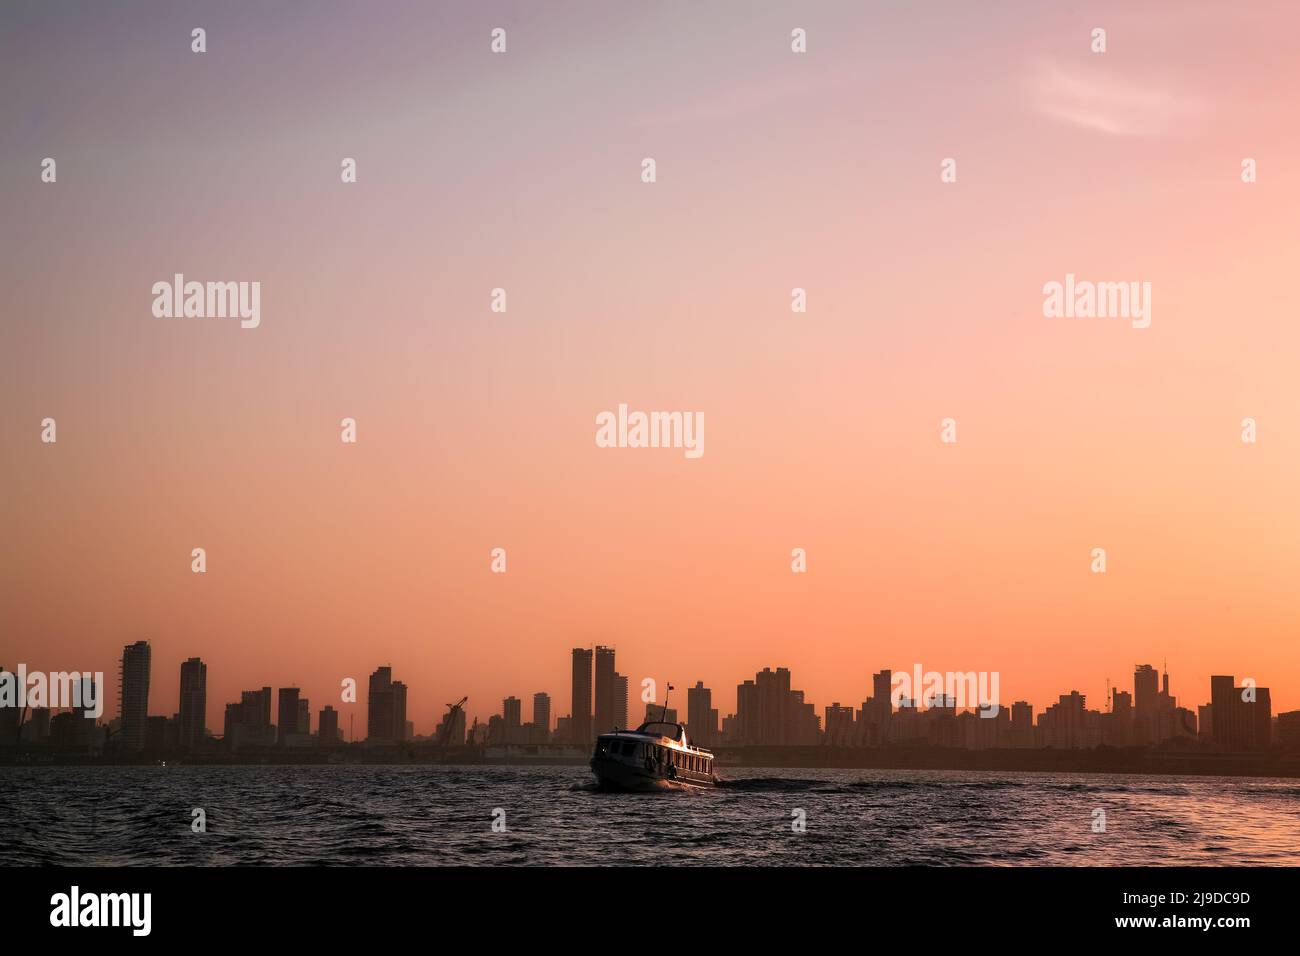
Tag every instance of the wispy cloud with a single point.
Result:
(1098, 99)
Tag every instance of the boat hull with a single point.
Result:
(619, 775)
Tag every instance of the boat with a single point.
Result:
(656, 756)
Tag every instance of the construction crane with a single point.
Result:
(444, 732)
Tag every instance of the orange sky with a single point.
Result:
(476, 429)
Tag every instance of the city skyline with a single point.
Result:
(1156, 714)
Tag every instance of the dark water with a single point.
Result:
(443, 815)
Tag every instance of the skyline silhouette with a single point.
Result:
(768, 710)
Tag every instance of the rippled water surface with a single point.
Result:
(443, 815)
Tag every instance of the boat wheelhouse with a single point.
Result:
(657, 755)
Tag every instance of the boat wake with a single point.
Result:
(771, 784)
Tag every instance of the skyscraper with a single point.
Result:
(604, 686)
(882, 689)
(1241, 717)
(620, 702)
(773, 704)
(542, 716)
(1146, 689)
(512, 716)
(769, 712)
(386, 708)
(328, 727)
(194, 703)
(580, 715)
(701, 718)
(287, 714)
(747, 707)
(134, 685)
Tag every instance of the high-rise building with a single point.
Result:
(287, 713)
(840, 731)
(1065, 724)
(1121, 722)
(386, 708)
(304, 716)
(701, 717)
(248, 723)
(580, 715)
(512, 709)
(773, 704)
(1146, 691)
(770, 713)
(327, 732)
(604, 689)
(194, 703)
(542, 716)
(1288, 730)
(257, 708)
(1021, 730)
(134, 684)
(233, 726)
(882, 689)
(620, 702)
(874, 717)
(748, 732)
(1241, 718)
(37, 728)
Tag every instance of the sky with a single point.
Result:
(774, 170)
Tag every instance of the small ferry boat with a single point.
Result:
(655, 756)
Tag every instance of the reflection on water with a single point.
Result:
(443, 815)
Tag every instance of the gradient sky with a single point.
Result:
(822, 430)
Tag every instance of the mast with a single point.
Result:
(663, 718)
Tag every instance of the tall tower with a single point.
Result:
(194, 702)
(699, 708)
(288, 712)
(328, 734)
(542, 716)
(605, 674)
(134, 684)
(1146, 688)
(619, 715)
(386, 708)
(580, 715)
(1226, 714)
(512, 714)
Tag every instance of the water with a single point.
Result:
(423, 815)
